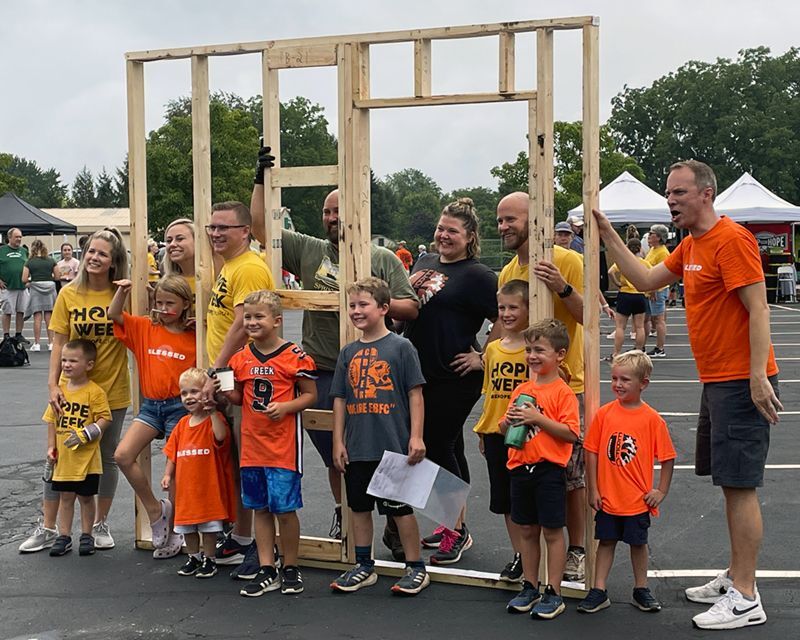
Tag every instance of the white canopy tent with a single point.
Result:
(747, 200)
(627, 200)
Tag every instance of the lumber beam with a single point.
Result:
(422, 68)
(322, 175)
(507, 71)
(438, 100)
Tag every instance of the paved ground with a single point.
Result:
(124, 593)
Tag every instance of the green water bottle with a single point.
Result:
(517, 434)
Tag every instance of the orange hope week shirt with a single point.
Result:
(627, 441)
(161, 356)
(558, 402)
(713, 267)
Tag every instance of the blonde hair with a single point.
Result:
(38, 250)
(464, 209)
(193, 374)
(266, 298)
(552, 330)
(376, 287)
(170, 267)
(637, 361)
(631, 232)
(119, 258)
(177, 286)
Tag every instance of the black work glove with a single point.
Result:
(265, 161)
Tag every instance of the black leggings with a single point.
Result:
(447, 405)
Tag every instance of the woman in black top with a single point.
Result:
(457, 293)
(39, 273)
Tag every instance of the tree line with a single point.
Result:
(737, 115)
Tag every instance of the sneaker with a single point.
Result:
(230, 552)
(335, 531)
(160, 528)
(171, 549)
(36, 347)
(550, 606)
(525, 600)
(191, 566)
(86, 545)
(611, 335)
(208, 569)
(265, 580)
(22, 340)
(248, 568)
(434, 540)
(652, 334)
(633, 335)
(61, 545)
(50, 346)
(412, 583)
(644, 600)
(596, 600)
(513, 570)
(574, 569)
(391, 538)
(102, 535)
(452, 546)
(655, 352)
(41, 538)
(291, 580)
(354, 579)
(732, 611)
(712, 591)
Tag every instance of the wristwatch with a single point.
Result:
(567, 292)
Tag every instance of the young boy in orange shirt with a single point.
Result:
(624, 438)
(199, 467)
(538, 470)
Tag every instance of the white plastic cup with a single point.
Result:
(225, 376)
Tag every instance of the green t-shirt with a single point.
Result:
(11, 263)
(41, 269)
(316, 263)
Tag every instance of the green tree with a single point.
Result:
(104, 189)
(383, 207)
(82, 194)
(418, 202)
(485, 201)
(568, 159)
(736, 115)
(121, 185)
(9, 181)
(33, 184)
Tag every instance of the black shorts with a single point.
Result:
(732, 435)
(539, 495)
(323, 440)
(630, 529)
(631, 304)
(496, 453)
(356, 480)
(87, 487)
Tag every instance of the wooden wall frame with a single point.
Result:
(350, 55)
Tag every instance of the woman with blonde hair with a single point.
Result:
(39, 273)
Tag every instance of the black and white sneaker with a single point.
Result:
(61, 546)
(191, 566)
(655, 352)
(86, 545)
(412, 583)
(266, 580)
(512, 572)
(208, 569)
(291, 581)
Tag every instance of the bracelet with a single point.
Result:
(605, 306)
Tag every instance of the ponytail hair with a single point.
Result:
(464, 209)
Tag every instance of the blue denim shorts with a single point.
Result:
(161, 415)
(276, 490)
(658, 306)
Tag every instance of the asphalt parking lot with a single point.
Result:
(124, 593)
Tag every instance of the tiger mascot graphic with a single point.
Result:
(367, 374)
(621, 449)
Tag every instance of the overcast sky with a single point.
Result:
(62, 72)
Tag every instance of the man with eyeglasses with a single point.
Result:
(316, 262)
(13, 292)
(242, 273)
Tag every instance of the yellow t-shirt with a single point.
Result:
(237, 278)
(82, 406)
(503, 371)
(84, 314)
(656, 256)
(152, 265)
(570, 264)
(625, 285)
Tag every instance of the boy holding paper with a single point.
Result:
(377, 407)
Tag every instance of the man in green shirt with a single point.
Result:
(316, 262)
(13, 293)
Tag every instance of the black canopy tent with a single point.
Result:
(15, 212)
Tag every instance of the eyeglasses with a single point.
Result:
(223, 228)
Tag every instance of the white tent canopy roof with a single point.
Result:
(627, 200)
(747, 200)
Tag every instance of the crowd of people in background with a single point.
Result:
(407, 385)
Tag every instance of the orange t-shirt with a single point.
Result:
(161, 356)
(626, 442)
(266, 378)
(204, 488)
(713, 267)
(405, 257)
(558, 402)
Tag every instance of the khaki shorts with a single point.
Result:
(14, 301)
(576, 467)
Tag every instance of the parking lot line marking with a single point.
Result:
(710, 573)
(689, 414)
(668, 360)
(668, 345)
(692, 381)
(777, 306)
(690, 467)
